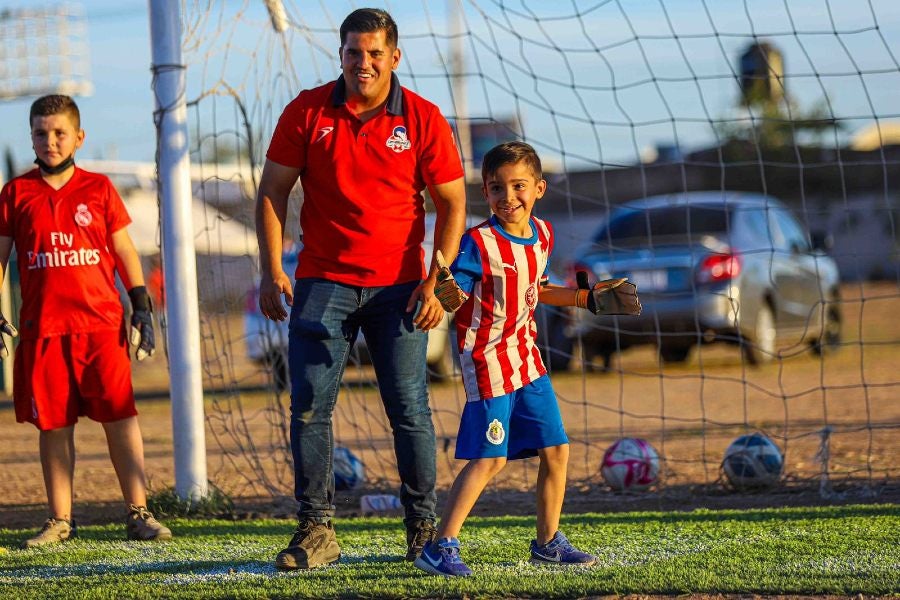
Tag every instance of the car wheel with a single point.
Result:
(830, 338)
(674, 353)
(760, 348)
(276, 363)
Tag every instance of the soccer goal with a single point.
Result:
(624, 101)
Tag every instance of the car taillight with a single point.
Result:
(572, 269)
(719, 267)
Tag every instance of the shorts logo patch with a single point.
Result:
(495, 433)
(398, 142)
(83, 216)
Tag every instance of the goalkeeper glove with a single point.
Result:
(448, 292)
(7, 328)
(608, 297)
(142, 322)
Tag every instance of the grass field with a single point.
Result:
(790, 551)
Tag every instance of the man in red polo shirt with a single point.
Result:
(364, 149)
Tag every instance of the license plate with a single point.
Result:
(650, 281)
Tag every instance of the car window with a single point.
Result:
(787, 235)
(663, 225)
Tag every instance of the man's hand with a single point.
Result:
(608, 297)
(7, 328)
(142, 334)
(430, 312)
(271, 288)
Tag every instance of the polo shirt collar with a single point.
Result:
(394, 100)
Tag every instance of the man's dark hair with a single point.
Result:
(55, 104)
(368, 20)
(511, 153)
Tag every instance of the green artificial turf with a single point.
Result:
(810, 551)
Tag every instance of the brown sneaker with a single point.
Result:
(54, 531)
(313, 545)
(140, 525)
(418, 533)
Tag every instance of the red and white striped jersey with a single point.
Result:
(496, 332)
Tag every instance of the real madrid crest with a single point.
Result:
(495, 433)
(83, 216)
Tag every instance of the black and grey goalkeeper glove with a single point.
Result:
(608, 297)
(7, 328)
(142, 334)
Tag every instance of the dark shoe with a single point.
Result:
(313, 545)
(418, 533)
(559, 551)
(54, 531)
(142, 526)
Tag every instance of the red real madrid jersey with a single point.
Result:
(362, 182)
(63, 241)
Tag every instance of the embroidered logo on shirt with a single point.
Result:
(398, 142)
(511, 267)
(324, 132)
(531, 296)
(83, 216)
(495, 433)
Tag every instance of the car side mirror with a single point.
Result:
(822, 241)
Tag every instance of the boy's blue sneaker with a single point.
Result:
(441, 557)
(559, 551)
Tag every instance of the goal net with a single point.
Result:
(623, 100)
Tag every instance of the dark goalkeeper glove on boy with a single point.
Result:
(7, 328)
(142, 322)
(608, 297)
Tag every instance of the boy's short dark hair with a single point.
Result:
(511, 153)
(55, 104)
(368, 20)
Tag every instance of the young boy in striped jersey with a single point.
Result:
(511, 412)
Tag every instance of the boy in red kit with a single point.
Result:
(69, 229)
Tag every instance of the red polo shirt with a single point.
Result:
(63, 241)
(362, 212)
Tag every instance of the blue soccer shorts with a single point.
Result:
(514, 426)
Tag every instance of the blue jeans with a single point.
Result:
(325, 319)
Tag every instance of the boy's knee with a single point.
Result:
(492, 465)
(555, 455)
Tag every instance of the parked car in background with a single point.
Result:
(267, 340)
(710, 267)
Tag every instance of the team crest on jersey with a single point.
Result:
(495, 433)
(398, 142)
(531, 296)
(83, 216)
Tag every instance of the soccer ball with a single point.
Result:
(752, 461)
(630, 464)
(349, 471)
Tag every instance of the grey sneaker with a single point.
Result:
(418, 533)
(313, 545)
(54, 531)
(141, 525)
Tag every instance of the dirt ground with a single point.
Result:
(842, 407)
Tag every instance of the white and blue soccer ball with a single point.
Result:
(630, 464)
(349, 471)
(752, 461)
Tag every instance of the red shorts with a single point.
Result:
(58, 379)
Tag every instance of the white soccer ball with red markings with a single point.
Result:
(630, 464)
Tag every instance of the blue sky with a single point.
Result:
(593, 82)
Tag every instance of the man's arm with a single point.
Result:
(275, 187)
(450, 203)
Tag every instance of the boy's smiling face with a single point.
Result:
(55, 138)
(511, 192)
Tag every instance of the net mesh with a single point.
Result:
(623, 100)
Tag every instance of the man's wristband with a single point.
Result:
(140, 299)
